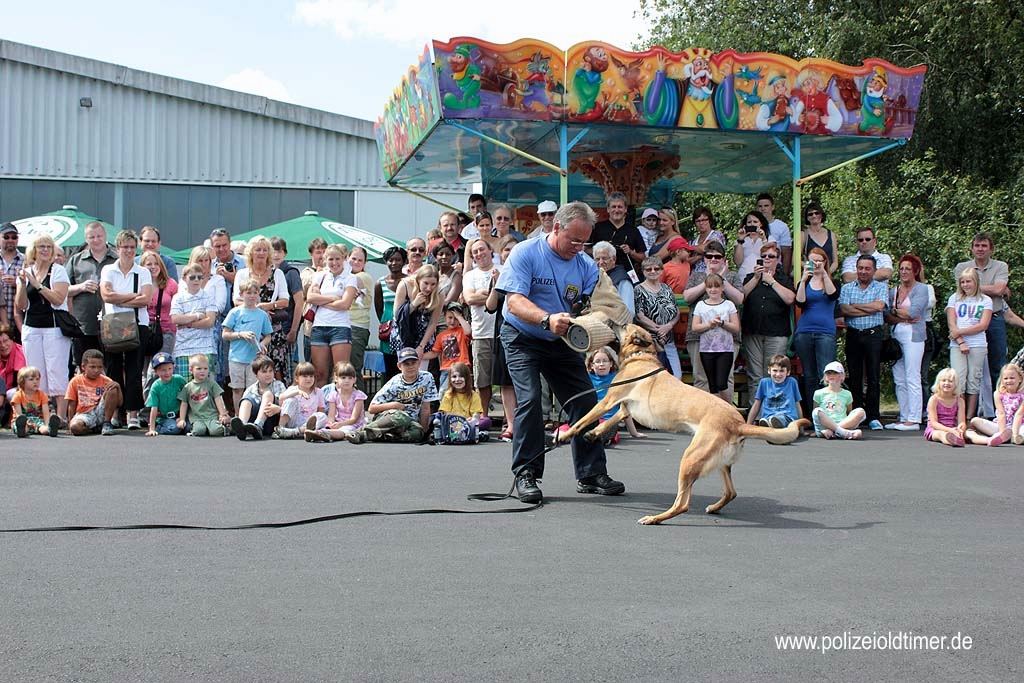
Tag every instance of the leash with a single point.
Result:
(490, 497)
(554, 440)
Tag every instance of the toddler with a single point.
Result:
(32, 407)
(163, 401)
(302, 405)
(1008, 400)
(202, 401)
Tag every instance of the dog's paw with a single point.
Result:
(711, 510)
(649, 519)
(592, 436)
(562, 436)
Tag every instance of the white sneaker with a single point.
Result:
(892, 425)
(900, 427)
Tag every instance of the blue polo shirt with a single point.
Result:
(553, 283)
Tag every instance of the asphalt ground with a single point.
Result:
(891, 538)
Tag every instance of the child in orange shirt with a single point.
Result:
(93, 398)
(32, 407)
(452, 345)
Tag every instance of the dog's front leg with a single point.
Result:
(602, 407)
(604, 429)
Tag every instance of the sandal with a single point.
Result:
(506, 436)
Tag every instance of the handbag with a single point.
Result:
(155, 338)
(384, 332)
(68, 324)
(119, 332)
(891, 349)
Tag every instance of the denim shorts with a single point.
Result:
(329, 336)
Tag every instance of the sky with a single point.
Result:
(342, 56)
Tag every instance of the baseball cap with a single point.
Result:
(835, 366)
(8, 227)
(649, 212)
(408, 353)
(677, 243)
(454, 306)
(161, 358)
(547, 206)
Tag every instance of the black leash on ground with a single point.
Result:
(343, 515)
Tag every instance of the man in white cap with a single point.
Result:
(649, 227)
(546, 210)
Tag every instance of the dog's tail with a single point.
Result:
(776, 436)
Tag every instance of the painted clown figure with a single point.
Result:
(466, 75)
(872, 107)
(816, 112)
(697, 100)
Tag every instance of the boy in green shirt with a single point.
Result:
(163, 401)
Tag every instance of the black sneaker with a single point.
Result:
(254, 430)
(600, 484)
(238, 428)
(54, 424)
(21, 426)
(526, 487)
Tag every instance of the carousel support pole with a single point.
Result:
(564, 146)
(862, 157)
(798, 261)
(423, 196)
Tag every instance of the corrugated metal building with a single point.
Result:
(138, 148)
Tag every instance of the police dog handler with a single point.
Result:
(547, 281)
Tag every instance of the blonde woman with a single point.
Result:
(417, 310)
(332, 292)
(43, 287)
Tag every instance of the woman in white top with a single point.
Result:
(42, 287)
(273, 297)
(333, 293)
(360, 311)
(121, 292)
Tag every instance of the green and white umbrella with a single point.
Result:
(66, 227)
(299, 232)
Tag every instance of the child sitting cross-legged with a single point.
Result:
(202, 403)
(777, 401)
(93, 398)
(401, 409)
(946, 410)
(345, 412)
(463, 400)
(32, 407)
(302, 405)
(832, 415)
(163, 401)
(259, 410)
(1008, 400)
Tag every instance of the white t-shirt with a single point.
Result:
(191, 340)
(334, 285)
(483, 322)
(968, 312)
(778, 232)
(717, 339)
(125, 284)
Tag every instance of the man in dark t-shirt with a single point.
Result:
(630, 249)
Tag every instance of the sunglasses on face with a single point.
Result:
(713, 257)
(652, 270)
(769, 256)
(865, 239)
(10, 237)
(417, 250)
(814, 213)
(195, 278)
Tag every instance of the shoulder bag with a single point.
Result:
(119, 332)
(155, 338)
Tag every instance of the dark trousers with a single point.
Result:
(528, 359)
(80, 345)
(126, 369)
(863, 361)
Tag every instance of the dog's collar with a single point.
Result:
(639, 353)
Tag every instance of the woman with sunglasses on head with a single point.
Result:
(815, 338)
(815, 234)
(768, 296)
(668, 230)
(42, 287)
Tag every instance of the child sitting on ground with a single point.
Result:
(262, 399)
(830, 416)
(463, 400)
(452, 344)
(163, 401)
(345, 411)
(302, 405)
(93, 398)
(1008, 400)
(32, 407)
(401, 408)
(602, 365)
(777, 400)
(248, 330)
(946, 410)
(201, 402)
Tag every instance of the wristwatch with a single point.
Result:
(545, 322)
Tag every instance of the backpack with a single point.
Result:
(454, 430)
